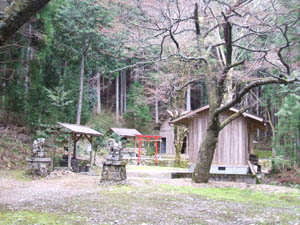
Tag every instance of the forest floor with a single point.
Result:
(68, 198)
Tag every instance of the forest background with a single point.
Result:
(91, 62)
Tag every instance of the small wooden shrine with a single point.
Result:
(78, 132)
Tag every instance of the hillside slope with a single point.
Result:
(15, 146)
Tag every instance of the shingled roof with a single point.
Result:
(79, 129)
(183, 119)
(124, 132)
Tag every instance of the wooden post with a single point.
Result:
(187, 150)
(156, 160)
(53, 158)
(251, 139)
(75, 147)
(70, 154)
(140, 146)
(160, 146)
(53, 152)
(91, 153)
(134, 143)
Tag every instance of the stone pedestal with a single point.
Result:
(114, 168)
(38, 166)
(114, 171)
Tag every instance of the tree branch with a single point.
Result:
(233, 117)
(228, 40)
(189, 82)
(16, 15)
(246, 89)
(196, 19)
(284, 33)
(143, 63)
(227, 68)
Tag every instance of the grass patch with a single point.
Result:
(97, 170)
(31, 217)
(151, 168)
(239, 195)
(263, 154)
(119, 189)
(19, 175)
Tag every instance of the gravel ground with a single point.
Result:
(142, 201)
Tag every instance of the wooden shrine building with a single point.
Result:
(124, 133)
(166, 131)
(78, 132)
(235, 140)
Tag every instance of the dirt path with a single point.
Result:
(149, 201)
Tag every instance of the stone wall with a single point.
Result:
(249, 178)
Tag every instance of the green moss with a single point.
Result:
(263, 154)
(119, 189)
(19, 175)
(240, 195)
(97, 170)
(16, 7)
(31, 217)
(230, 194)
(182, 164)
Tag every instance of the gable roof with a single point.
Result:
(183, 119)
(79, 129)
(124, 132)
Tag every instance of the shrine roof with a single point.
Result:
(79, 129)
(124, 132)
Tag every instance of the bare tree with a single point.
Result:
(230, 42)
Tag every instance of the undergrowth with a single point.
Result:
(263, 154)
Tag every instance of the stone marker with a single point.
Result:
(114, 168)
(38, 164)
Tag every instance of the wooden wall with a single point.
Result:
(232, 148)
(3, 5)
(167, 131)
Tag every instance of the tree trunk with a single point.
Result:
(272, 129)
(156, 110)
(79, 107)
(3, 97)
(95, 158)
(257, 113)
(98, 104)
(27, 63)
(188, 98)
(121, 93)
(210, 140)
(117, 97)
(16, 15)
(179, 133)
(230, 90)
(206, 153)
(107, 94)
(124, 91)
